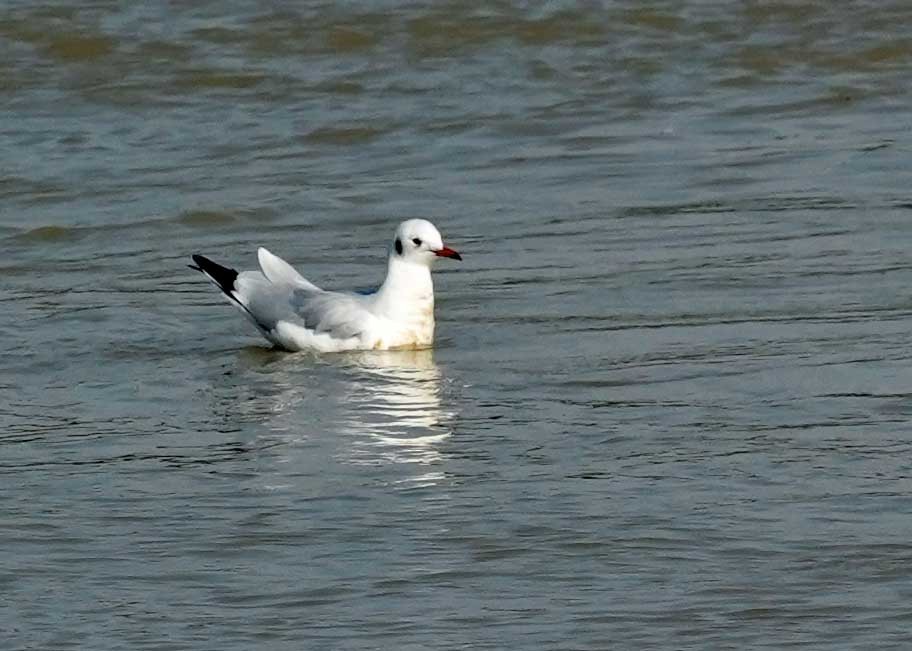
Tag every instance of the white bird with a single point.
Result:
(295, 314)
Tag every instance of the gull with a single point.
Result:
(294, 314)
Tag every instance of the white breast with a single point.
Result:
(412, 329)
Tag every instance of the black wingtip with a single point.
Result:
(223, 276)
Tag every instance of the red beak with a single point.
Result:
(447, 252)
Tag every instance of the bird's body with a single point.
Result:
(295, 314)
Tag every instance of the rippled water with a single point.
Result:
(670, 399)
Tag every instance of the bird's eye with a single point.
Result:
(417, 241)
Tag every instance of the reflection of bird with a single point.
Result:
(363, 408)
(295, 314)
(398, 409)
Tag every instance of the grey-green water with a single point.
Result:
(669, 407)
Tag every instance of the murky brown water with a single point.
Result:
(670, 400)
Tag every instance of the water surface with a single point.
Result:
(669, 403)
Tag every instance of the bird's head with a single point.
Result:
(418, 241)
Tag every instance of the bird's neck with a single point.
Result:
(407, 293)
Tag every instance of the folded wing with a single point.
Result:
(339, 315)
(297, 313)
(292, 312)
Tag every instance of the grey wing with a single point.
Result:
(337, 314)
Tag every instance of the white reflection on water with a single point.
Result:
(394, 412)
(373, 408)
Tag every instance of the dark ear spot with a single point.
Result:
(398, 246)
